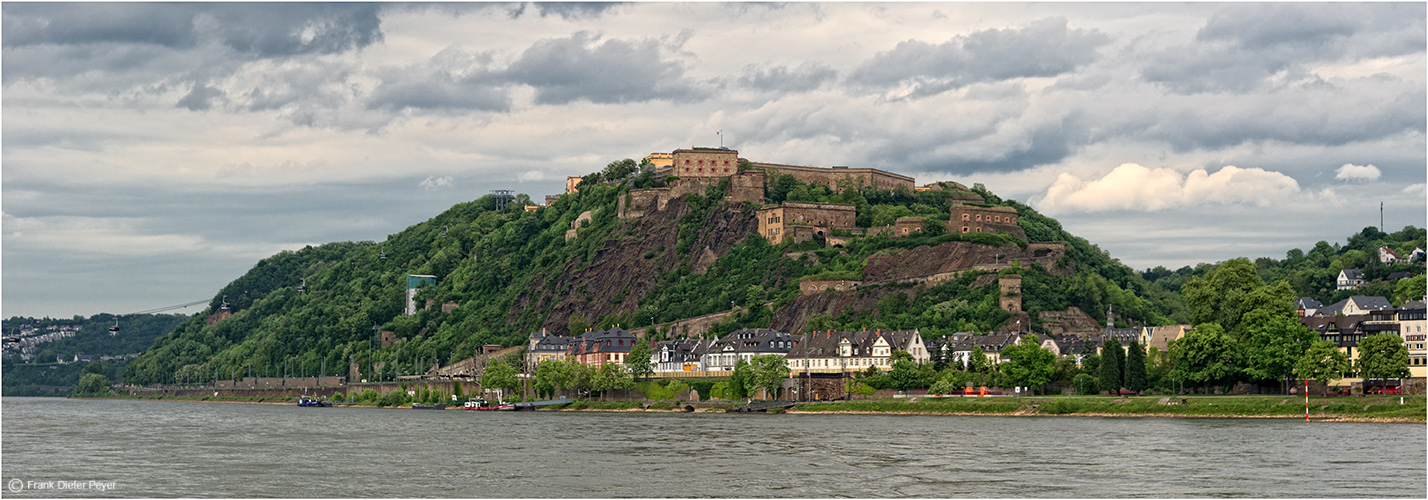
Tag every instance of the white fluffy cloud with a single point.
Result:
(1137, 188)
(1351, 172)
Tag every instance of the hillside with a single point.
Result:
(502, 273)
(1313, 273)
(42, 340)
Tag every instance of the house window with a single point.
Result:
(701, 162)
(999, 218)
(966, 217)
(726, 170)
(726, 163)
(686, 162)
(965, 229)
(979, 217)
(979, 229)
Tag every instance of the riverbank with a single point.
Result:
(1385, 409)
(1364, 409)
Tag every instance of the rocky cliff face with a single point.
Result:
(794, 317)
(952, 256)
(620, 277)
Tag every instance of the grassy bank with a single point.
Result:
(1370, 408)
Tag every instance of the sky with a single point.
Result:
(151, 153)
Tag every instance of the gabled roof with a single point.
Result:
(1399, 275)
(826, 344)
(1307, 303)
(1363, 302)
(1411, 306)
(1341, 324)
(1353, 274)
(1370, 303)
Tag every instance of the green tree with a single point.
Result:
(611, 376)
(638, 361)
(934, 227)
(551, 376)
(1135, 375)
(620, 169)
(904, 374)
(1111, 371)
(1272, 345)
(92, 384)
(499, 375)
(768, 371)
(1027, 364)
(1091, 365)
(738, 383)
(1226, 294)
(1382, 356)
(1084, 384)
(1204, 356)
(1322, 362)
(1409, 289)
(978, 362)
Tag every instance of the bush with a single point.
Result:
(1085, 384)
(92, 384)
(339, 396)
(369, 396)
(394, 398)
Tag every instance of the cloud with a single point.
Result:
(1043, 48)
(262, 30)
(805, 77)
(433, 183)
(1351, 172)
(1247, 47)
(453, 79)
(1132, 187)
(575, 10)
(585, 67)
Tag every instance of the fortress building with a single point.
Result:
(979, 219)
(705, 162)
(833, 175)
(801, 221)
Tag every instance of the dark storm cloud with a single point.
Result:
(1363, 112)
(1245, 47)
(263, 30)
(805, 77)
(1042, 144)
(1043, 48)
(584, 67)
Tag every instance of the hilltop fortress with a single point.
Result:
(694, 170)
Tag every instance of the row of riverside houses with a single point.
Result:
(593, 348)
(1348, 321)
(818, 352)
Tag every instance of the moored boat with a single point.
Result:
(419, 406)
(307, 401)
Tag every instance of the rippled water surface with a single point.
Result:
(169, 449)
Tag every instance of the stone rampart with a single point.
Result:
(746, 186)
(821, 176)
(685, 328)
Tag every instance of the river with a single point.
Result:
(114, 448)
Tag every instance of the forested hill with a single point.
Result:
(1313, 273)
(45, 339)
(502, 273)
